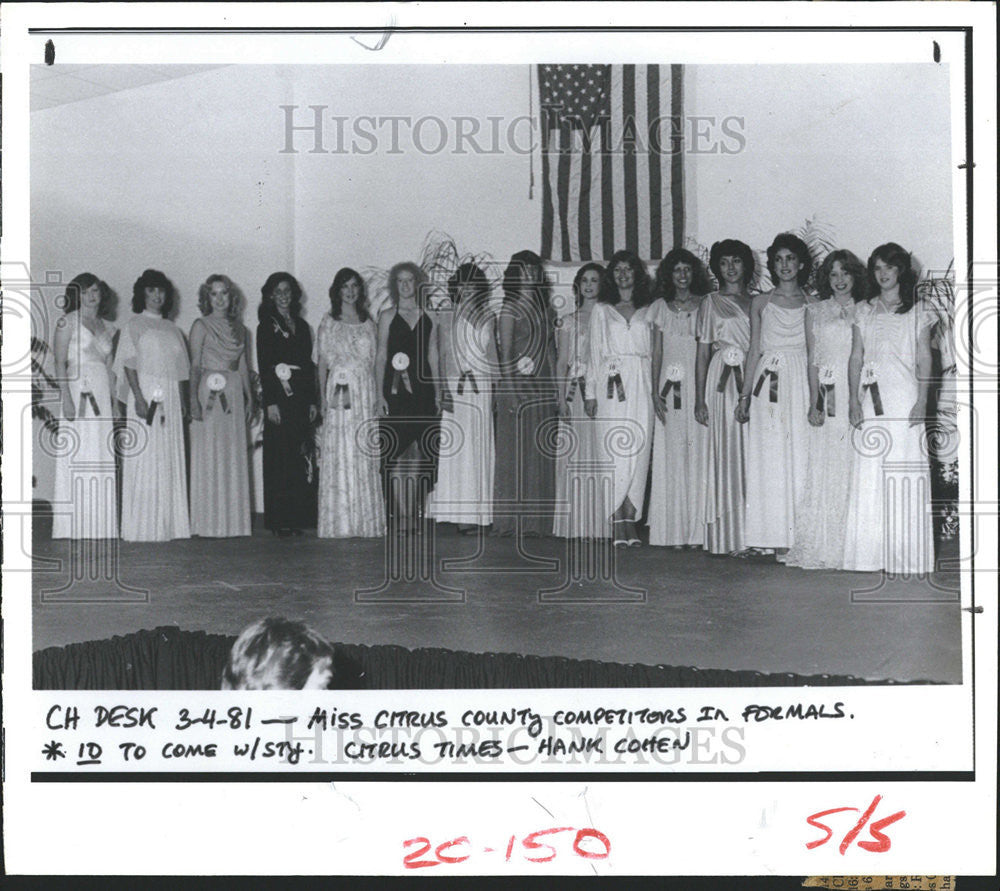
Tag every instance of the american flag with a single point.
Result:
(612, 174)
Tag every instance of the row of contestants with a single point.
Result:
(705, 464)
(812, 411)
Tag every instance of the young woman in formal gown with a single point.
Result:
(407, 396)
(152, 369)
(467, 364)
(288, 380)
(722, 330)
(577, 512)
(527, 413)
(619, 390)
(775, 399)
(85, 497)
(676, 513)
(889, 522)
(221, 406)
(821, 512)
(350, 502)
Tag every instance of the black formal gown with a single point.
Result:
(289, 468)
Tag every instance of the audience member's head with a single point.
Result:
(276, 654)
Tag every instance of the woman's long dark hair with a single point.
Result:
(892, 254)
(791, 242)
(336, 302)
(641, 291)
(516, 281)
(152, 278)
(79, 284)
(267, 309)
(664, 283)
(583, 270)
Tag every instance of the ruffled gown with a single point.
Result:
(676, 513)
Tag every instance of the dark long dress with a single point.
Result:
(289, 474)
(412, 412)
(526, 429)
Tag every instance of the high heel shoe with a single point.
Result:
(619, 540)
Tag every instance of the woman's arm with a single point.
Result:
(265, 366)
(918, 414)
(245, 383)
(434, 360)
(322, 366)
(854, 365)
(752, 359)
(381, 357)
(60, 354)
(197, 347)
(816, 417)
(598, 351)
(659, 403)
(702, 358)
(132, 376)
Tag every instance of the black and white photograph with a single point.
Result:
(600, 398)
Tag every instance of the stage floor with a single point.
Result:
(652, 605)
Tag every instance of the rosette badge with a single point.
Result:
(826, 400)
(341, 388)
(526, 365)
(775, 362)
(217, 391)
(87, 398)
(400, 373)
(155, 404)
(732, 359)
(869, 383)
(615, 384)
(284, 374)
(577, 381)
(674, 374)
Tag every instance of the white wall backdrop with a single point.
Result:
(189, 176)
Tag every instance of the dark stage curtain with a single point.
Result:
(171, 659)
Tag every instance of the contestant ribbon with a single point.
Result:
(615, 384)
(826, 401)
(85, 397)
(772, 373)
(676, 387)
(876, 396)
(726, 372)
(222, 400)
(400, 377)
(573, 384)
(342, 396)
(471, 378)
